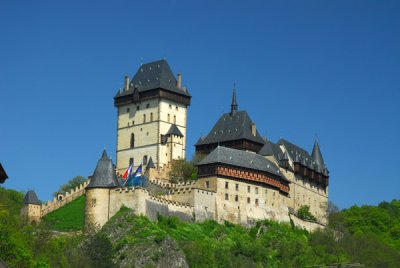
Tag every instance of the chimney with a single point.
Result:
(179, 82)
(253, 129)
(126, 82)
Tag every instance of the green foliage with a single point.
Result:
(368, 235)
(181, 170)
(70, 217)
(304, 213)
(99, 249)
(71, 184)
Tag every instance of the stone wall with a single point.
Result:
(67, 198)
(304, 224)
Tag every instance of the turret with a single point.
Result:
(316, 154)
(104, 179)
(31, 209)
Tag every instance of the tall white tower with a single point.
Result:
(152, 112)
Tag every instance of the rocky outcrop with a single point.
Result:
(136, 248)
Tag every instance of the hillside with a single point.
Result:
(367, 234)
(69, 217)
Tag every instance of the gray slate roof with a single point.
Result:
(232, 126)
(271, 149)
(31, 198)
(154, 75)
(150, 164)
(233, 157)
(104, 175)
(299, 155)
(174, 130)
(316, 154)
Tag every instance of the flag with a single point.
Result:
(127, 172)
(137, 176)
(138, 171)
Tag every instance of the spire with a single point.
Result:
(234, 103)
(316, 154)
(104, 154)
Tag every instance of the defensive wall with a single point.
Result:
(62, 200)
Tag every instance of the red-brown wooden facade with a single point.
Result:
(243, 173)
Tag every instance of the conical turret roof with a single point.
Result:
(104, 175)
(31, 198)
(150, 164)
(316, 154)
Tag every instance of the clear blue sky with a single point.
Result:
(302, 68)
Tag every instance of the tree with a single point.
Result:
(305, 214)
(71, 184)
(181, 170)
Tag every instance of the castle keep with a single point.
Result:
(151, 121)
(242, 177)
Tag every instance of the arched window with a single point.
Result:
(144, 118)
(151, 117)
(174, 119)
(132, 140)
(169, 120)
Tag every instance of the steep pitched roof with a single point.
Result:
(299, 155)
(233, 157)
(104, 175)
(154, 75)
(316, 154)
(31, 198)
(232, 127)
(271, 149)
(3, 174)
(150, 164)
(174, 130)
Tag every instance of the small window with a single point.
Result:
(137, 108)
(174, 119)
(170, 106)
(207, 184)
(169, 119)
(248, 200)
(256, 202)
(128, 110)
(176, 108)
(144, 118)
(256, 190)
(226, 197)
(133, 123)
(248, 189)
(145, 160)
(226, 185)
(132, 140)
(151, 117)
(93, 202)
(147, 105)
(236, 198)
(130, 161)
(237, 187)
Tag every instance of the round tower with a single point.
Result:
(98, 190)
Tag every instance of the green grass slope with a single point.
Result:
(70, 217)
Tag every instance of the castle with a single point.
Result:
(242, 178)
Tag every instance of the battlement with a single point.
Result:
(167, 201)
(62, 200)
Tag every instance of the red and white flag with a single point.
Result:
(127, 172)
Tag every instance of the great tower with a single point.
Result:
(152, 116)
